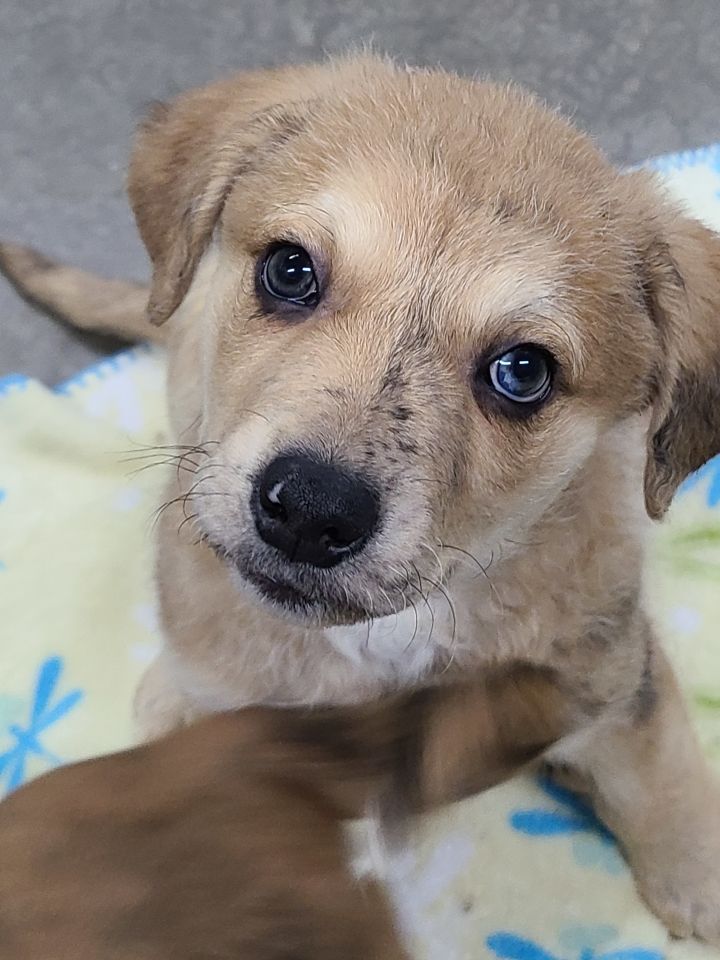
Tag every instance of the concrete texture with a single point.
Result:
(75, 76)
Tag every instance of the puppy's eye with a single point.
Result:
(523, 374)
(288, 274)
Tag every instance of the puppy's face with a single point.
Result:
(426, 304)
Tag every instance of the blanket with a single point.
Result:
(524, 872)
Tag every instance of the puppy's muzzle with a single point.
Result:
(314, 512)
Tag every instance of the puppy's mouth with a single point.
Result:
(305, 594)
(305, 601)
(278, 592)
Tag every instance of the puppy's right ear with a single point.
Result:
(681, 286)
(189, 155)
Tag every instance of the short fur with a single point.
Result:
(452, 219)
(224, 840)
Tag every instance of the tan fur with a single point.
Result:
(224, 840)
(452, 218)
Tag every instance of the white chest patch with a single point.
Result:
(401, 647)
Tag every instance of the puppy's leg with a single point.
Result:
(652, 786)
(160, 705)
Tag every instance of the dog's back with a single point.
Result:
(170, 851)
(225, 840)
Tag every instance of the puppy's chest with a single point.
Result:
(474, 627)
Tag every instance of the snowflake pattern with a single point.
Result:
(570, 816)
(43, 715)
(710, 474)
(510, 946)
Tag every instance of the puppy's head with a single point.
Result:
(425, 301)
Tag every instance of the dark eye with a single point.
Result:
(523, 374)
(288, 274)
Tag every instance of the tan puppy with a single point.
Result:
(433, 362)
(223, 841)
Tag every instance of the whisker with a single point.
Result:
(392, 607)
(191, 426)
(371, 610)
(484, 570)
(411, 641)
(162, 463)
(466, 553)
(438, 561)
(167, 454)
(254, 413)
(155, 455)
(451, 606)
(187, 519)
(426, 600)
(526, 543)
(182, 498)
(199, 447)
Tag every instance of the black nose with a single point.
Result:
(314, 512)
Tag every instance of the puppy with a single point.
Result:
(224, 840)
(434, 367)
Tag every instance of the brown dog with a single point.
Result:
(224, 840)
(433, 362)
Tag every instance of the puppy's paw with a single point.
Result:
(680, 879)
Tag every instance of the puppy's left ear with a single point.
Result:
(681, 285)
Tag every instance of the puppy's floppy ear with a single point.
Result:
(187, 158)
(681, 283)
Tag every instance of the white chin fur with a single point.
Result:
(403, 644)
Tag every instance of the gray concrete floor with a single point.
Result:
(75, 76)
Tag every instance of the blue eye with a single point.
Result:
(523, 374)
(288, 274)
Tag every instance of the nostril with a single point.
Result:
(332, 539)
(271, 503)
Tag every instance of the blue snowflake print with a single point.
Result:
(509, 946)
(570, 816)
(13, 383)
(43, 715)
(687, 160)
(710, 472)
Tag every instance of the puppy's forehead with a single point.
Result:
(442, 168)
(427, 159)
(383, 227)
